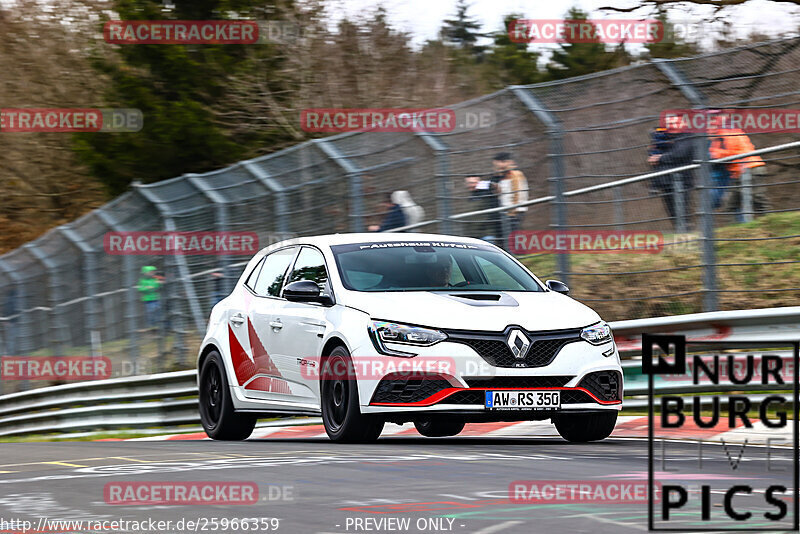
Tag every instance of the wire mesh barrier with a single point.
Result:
(582, 145)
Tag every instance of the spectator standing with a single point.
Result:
(672, 149)
(506, 187)
(394, 217)
(720, 173)
(660, 141)
(412, 211)
(149, 290)
(730, 142)
(513, 189)
(483, 192)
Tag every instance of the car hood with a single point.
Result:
(452, 310)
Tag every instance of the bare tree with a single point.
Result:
(44, 58)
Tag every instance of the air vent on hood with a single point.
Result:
(468, 298)
(477, 296)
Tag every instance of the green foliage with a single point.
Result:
(207, 106)
(510, 63)
(577, 59)
(672, 45)
(463, 32)
(175, 87)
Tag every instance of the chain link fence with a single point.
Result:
(62, 294)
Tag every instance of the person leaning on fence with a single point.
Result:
(660, 141)
(394, 217)
(730, 142)
(149, 290)
(672, 149)
(483, 193)
(513, 189)
(505, 187)
(412, 211)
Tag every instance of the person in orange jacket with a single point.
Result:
(730, 142)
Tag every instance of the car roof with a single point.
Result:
(373, 237)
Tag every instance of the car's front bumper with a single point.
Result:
(460, 383)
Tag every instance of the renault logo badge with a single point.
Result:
(518, 343)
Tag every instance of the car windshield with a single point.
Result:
(429, 266)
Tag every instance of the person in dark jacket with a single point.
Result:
(394, 218)
(670, 149)
(485, 191)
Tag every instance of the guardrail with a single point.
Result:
(169, 399)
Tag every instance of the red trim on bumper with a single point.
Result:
(443, 394)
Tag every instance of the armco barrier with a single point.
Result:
(169, 399)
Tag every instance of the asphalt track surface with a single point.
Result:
(440, 485)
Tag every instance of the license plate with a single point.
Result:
(523, 400)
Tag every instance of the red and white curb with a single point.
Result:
(627, 427)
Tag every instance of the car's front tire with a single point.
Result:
(583, 427)
(341, 413)
(439, 427)
(217, 414)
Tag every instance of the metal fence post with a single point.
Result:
(707, 225)
(353, 173)
(701, 156)
(221, 222)
(89, 279)
(556, 134)
(14, 302)
(443, 182)
(282, 225)
(678, 195)
(747, 194)
(172, 319)
(55, 325)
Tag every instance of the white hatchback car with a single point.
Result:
(431, 329)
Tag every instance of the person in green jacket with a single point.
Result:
(149, 285)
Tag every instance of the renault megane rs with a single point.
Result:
(437, 330)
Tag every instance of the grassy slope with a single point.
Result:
(613, 283)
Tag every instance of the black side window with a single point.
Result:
(251, 280)
(270, 279)
(310, 265)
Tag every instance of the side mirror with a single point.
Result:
(555, 285)
(304, 291)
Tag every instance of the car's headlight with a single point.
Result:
(597, 334)
(389, 332)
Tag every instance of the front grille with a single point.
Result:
(465, 397)
(522, 382)
(605, 385)
(408, 388)
(492, 347)
(572, 396)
